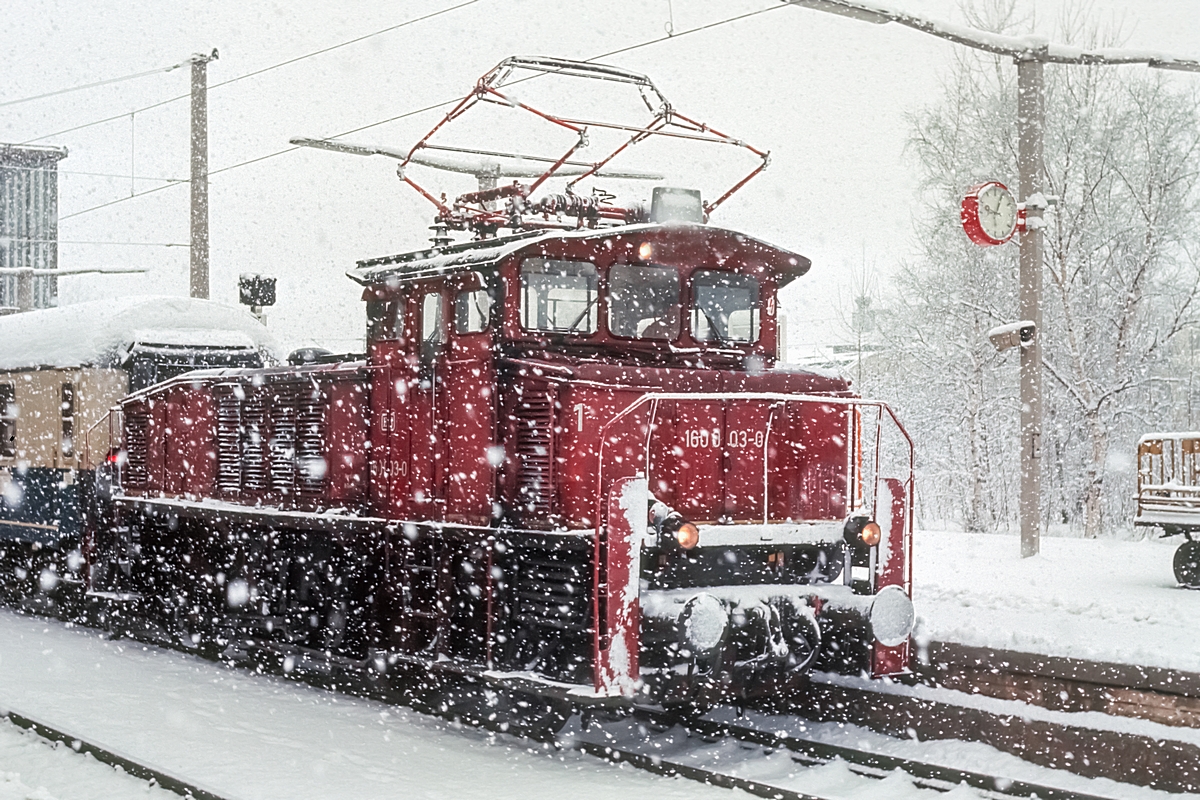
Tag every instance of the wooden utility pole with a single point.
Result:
(198, 273)
(1031, 121)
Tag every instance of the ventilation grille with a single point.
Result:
(553, 590)
(310, 438)
(282, 446)
(229, 438)
(137, 431)
(535, 455)
(270, 439)
(254, 440)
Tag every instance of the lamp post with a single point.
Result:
(1031, 54)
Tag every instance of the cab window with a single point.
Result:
(559, 296)
(433, 332)
(472, 311)
(643, 301)
(724, 307)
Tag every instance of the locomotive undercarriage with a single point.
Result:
(302, 599)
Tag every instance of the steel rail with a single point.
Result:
(872, 764)
(806, 752)
(112, 758)
(669, 768)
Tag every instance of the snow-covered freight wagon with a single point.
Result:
(569, 461)
(61, 370)
(1168, 495)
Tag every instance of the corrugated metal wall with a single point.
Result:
(29, 218)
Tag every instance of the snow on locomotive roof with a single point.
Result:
(102, 332)
(436, 261)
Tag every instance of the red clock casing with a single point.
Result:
(970, 216)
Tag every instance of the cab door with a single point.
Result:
(387, 333)
(426, 398)
(469, 407)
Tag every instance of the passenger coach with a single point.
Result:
(61, 370)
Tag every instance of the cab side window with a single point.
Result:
(433, 329)
(381, 319)
(472, 311)
(559, 296)
(725, 307)
(643, 301)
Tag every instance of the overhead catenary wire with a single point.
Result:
(93, 85)
(672, 37)
(237, 78)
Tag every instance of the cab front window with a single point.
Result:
(559, 296)
(643, 301)
(725, 307)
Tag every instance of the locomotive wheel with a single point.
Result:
(803, 636)
(1187, 564)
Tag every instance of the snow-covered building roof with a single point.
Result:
(103, 332)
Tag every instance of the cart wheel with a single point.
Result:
(1187, 564)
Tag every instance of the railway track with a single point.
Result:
(652, 740)
(112, 757)
(997, 698)
(641, 741)
(651, 734)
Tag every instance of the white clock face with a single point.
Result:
(997, 212)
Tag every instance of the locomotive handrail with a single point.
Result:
(778, 397)
(600, 632)
(88, 463)
(784, 397)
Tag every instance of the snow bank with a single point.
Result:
(1081, 598)
(101, 332)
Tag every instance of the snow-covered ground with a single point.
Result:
(243, 736)
(252, 736)
(246, 736)
(1096, 599)
(32, 769)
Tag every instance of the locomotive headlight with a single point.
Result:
(687, 535)
(870, 534)
(703, 622)
(892, 617)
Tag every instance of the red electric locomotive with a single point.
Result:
(569, 460)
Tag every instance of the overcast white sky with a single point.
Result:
(826, 95)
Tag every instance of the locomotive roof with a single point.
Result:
(101, 332)
(438, 261)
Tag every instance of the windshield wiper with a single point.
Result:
(712, 326)
(583, 315)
